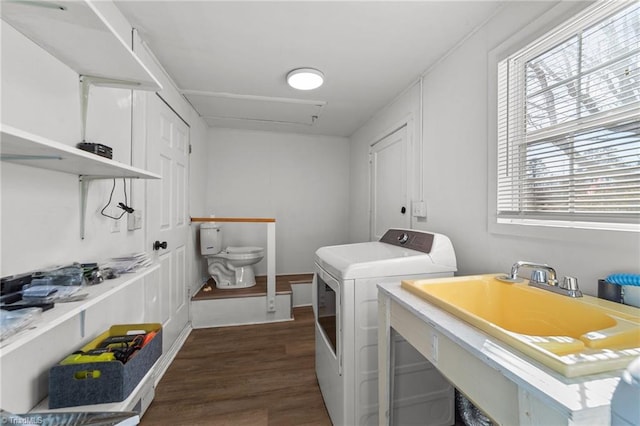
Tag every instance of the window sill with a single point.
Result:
(600, 226)
(562, 230)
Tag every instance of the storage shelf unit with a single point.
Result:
(94, 40)
(27, 149)
(79, 34)
(62, 312)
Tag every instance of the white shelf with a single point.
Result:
(27, 149)
(62, 312)
(142, 390)
(79, 35)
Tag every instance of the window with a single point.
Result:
(568, 117)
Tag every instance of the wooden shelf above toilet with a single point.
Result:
(283, 286)
(233, 219)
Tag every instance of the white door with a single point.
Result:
(389, 203)
(168, 225)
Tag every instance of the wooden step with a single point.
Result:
(214, 307)
(283, 286)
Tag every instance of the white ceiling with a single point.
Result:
(230, 58)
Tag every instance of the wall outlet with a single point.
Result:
(115, 224)
(419, 209)
(134, 220)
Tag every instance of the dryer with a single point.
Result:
(346, 322)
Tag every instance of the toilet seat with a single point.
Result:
(240, 253)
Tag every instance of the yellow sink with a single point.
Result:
(574, 336)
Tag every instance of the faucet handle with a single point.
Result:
(538, 276)
(569, 283)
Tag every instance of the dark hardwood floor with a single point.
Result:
(247, 375)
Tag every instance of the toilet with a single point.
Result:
(232, 267)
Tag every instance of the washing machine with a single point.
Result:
(346, 323)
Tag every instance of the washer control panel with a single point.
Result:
(414, 240)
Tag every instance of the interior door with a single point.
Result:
(168, 155)
(389, 203)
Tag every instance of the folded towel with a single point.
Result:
(624, 279)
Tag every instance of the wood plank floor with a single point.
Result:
(249, 375)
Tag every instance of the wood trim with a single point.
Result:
(234, 219)
(283, 286)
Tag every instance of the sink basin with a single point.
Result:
(572, 336)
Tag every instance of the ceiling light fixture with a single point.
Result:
(305, 78)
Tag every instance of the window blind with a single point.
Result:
(569, 121)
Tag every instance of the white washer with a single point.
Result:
(346, 321)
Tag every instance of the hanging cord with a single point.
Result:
(122, 206)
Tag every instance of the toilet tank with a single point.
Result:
(210, 239)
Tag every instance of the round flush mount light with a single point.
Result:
(305, 78)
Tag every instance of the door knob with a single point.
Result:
(403, 210)
(159, 245)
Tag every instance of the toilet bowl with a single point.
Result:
(232, 267)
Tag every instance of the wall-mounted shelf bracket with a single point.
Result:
(84, 190)
(86, 81)
(83, 322)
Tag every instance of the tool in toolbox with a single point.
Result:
(119, 340)
(113, 348)
(85, 357)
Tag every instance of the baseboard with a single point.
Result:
(167, 359)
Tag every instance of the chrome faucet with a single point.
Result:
(544, 276)
(542, 273)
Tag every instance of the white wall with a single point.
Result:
(455, 168)
(300, 180)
